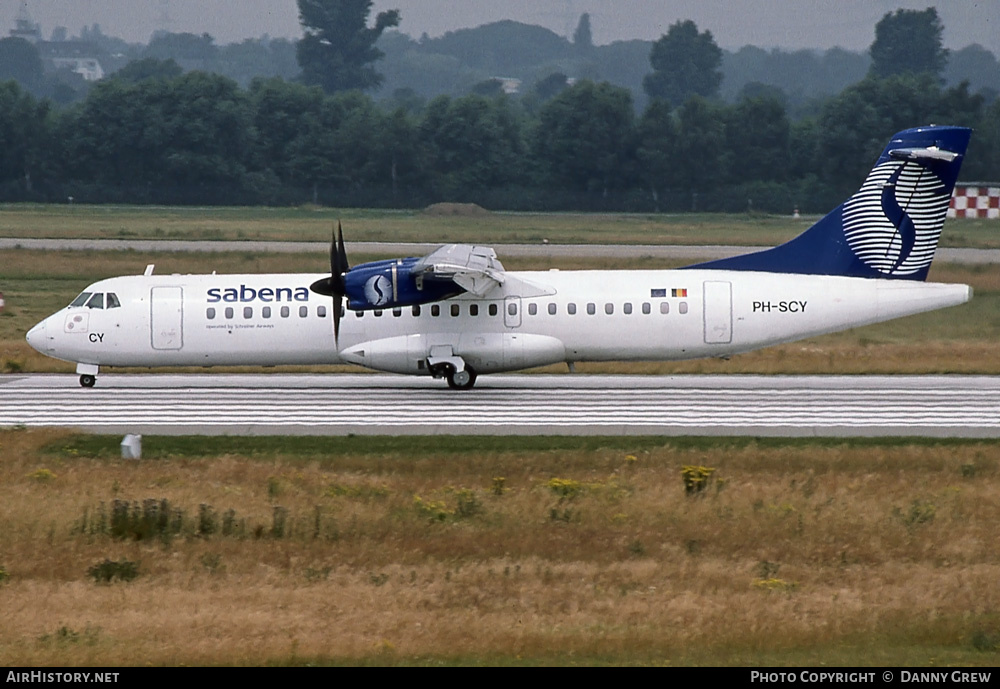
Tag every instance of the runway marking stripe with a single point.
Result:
(888, 410)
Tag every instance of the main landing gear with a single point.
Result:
(461, 380)
(457, 380)
(444, 363)
(88, 381)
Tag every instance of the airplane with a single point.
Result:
(456, 313)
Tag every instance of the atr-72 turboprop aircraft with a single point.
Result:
(457, 312)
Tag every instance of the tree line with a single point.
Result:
(455, 63)
(153, 133)
(199, 138)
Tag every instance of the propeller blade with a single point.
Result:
(338, 261)
(335, 285)
(340, 247)
(338, 302)
(333, 254)
(339, 266)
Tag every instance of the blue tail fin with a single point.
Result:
(889, 228)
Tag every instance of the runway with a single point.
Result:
(553, 251)
(363, 404)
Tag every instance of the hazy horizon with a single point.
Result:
(787, 24)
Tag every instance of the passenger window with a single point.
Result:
(473, 309)
(627, 308)
(359, 314)
(303, 311)
(210, 313)
(571, 309)
(81, 300)
(552, 309)
(285, 312)
(113, 302)
(229, 312)
(591, 308)
(435, 310)
(532, 309)
(664, 307)
(609, 308)
(377, 313)
(248, 312)
(455, 310)
(396, 313)
(645, 307)
(321, 311)
(493, 309)
(683, 307)
(512, 309)
(416, 311)
(96, 301)
(266, 312)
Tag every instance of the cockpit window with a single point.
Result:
(113, 302)
(96, 301)
(81, 300)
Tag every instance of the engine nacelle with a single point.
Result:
(391, 283)
(484, 352)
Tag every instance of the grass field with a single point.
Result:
(510, 551)
(496, 551)
(315, 224)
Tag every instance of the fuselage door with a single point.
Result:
(718, 312)
(512, 312)
(166, 317)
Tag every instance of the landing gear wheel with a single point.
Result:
(88, 381)
(462, 380)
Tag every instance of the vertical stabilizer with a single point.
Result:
(890, 227)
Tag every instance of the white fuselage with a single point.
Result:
(533, 319)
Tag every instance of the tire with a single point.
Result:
(462, 380)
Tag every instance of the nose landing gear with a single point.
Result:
(88, 374)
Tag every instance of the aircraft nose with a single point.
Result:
(36, 336)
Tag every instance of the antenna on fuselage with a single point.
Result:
(149, 269)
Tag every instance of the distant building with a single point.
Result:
(79, 57)
(509, 85)
(24, 27)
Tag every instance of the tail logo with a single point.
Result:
(893, 222)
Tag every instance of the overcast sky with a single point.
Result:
(787, 24)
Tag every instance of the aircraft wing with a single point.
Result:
(475, 269)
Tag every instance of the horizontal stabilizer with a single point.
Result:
(929, 153)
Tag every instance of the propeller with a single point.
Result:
(334, 286)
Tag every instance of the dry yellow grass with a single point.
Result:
(850, 553)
